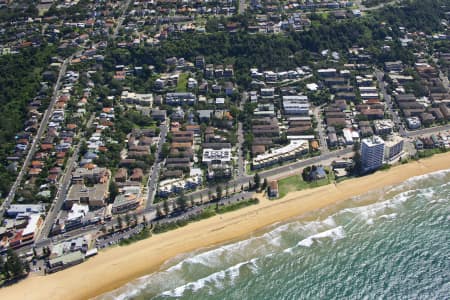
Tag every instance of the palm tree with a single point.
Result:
(127, 220)
(166, 207)
(209, 195)
(159, 212)
(119, 222)
(219, 192)
(144, 219)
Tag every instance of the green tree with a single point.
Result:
(257, 180)
(13, 267)
(159, 212)
(219, 191)
(209, 195)
(113, 191)
(265, 184)
(357, 163)
(165, 149)
(119, 222)
(182, 202)
(227, 189)
(127, 220)
(166, 207)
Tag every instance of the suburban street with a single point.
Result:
(63, 188)
(321, 130)
(427, 131)
(240, 140)
(154, 176)
(121, 18)
(242, 6)
(36, 139)
(388, 99)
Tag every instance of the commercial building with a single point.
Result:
(17, 210)
(372, 153)
(95, 175)
(94, 196)
(65, 261)
(127, 200)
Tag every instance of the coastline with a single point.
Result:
(116, 266)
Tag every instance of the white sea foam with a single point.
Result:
(335, 234)
(271, 241)
(388, 216)
(413, 180)
(215, 279)
(371, 211)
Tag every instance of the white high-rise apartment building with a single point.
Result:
(372, 153)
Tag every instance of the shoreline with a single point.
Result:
(117, 266)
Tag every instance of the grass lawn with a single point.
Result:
(296, 183)
(182, 82)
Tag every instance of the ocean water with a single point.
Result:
(389, 244)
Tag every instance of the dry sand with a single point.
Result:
(114, 267)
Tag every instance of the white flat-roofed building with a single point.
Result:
(29, 232)
(296, 105)
(367, 89)
(77, 212)
(216, 156)
(372, 153)
(330, 72)
(393, 147)
(16, 210)
(383, 127)
(413, 122)
(288, 152)
(366, 96)
(301, 137)
(267, 92)
(180, 98)
(350, 135)
(139, 99)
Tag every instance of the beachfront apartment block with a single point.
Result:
(393, 147)
(169, 187)
(288, 152)
(372, 153)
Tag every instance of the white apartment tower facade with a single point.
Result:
(372, 153)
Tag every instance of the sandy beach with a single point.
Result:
(114, 267)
